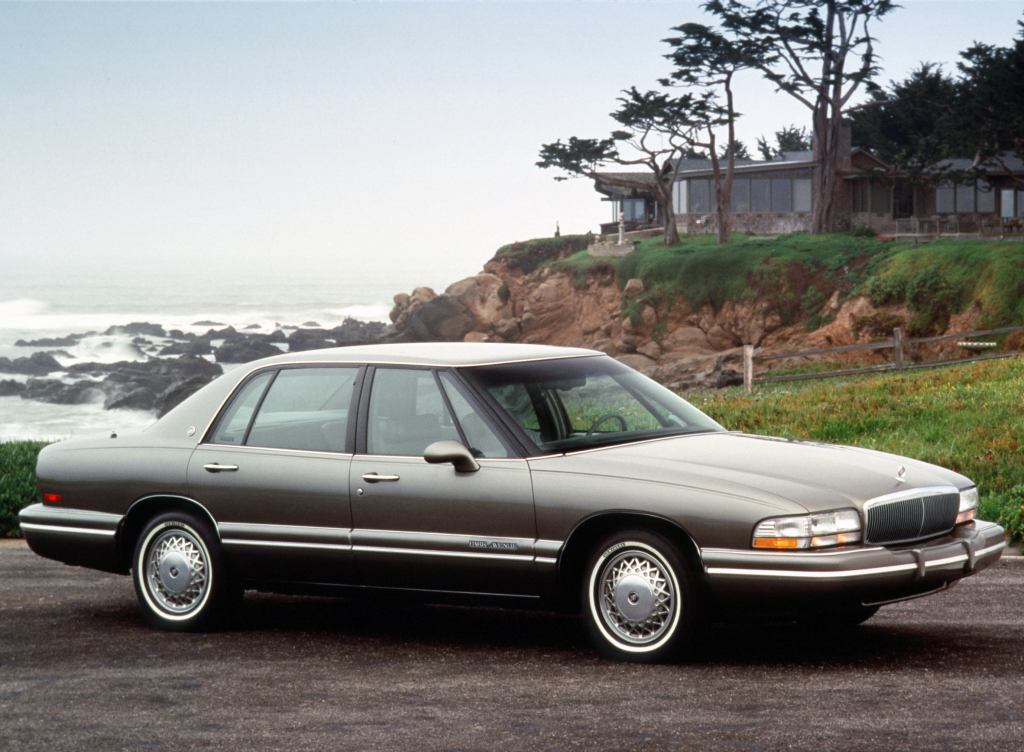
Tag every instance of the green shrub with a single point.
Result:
(1008, 510)
(17, 482)
(581, 267)
(863, 231)
(530, 255)
(887, 289)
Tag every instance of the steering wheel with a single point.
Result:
(608, 416)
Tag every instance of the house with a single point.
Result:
(776, 196)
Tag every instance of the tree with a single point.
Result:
(739, 151)
(911, 124)
(810, 45)
(659, 130)
(790, 138)
(991, 102)
(705, 57)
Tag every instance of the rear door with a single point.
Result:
(423, 526)
(274, 471)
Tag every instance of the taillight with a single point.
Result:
(52, 498)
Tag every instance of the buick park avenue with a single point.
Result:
(519, 475)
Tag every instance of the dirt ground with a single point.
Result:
(80, 671)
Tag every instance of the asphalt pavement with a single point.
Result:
(80, 671)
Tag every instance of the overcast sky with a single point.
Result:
(402, 136)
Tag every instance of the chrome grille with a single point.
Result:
(910, 519)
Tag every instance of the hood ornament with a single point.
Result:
(900, 472)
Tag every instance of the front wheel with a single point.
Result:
(180, 578)
(639, 600)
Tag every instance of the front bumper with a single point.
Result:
(782, 581)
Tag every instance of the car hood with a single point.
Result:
(781, 472)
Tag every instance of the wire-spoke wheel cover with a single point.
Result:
(177, 571)
(637, 597)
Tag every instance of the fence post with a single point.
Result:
(748, 367)
(897, 348)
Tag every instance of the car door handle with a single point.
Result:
(374, 478)
(213, 467)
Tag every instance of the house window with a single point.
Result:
(965, 199)
(1006, 203)
(740, 196)
(881, 199)
(700, 197)
(679, 197)
(985, 197)
(968, 198)
(870, 196)
(633, 209)
(945, 199)
(802, 195)
(782, 195)
(861, 191)
(760, 196)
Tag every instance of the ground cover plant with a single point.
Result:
(796, 274)
(968, 418)
(17, 482)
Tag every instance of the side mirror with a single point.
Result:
(441, 452)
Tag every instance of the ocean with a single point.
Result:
(34, 305)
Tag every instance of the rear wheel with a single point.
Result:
(639, 600)
(180, 577)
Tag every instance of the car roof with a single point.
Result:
(447, 354)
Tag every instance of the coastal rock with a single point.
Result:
(194, 347)
(482, 297)
(173, 395)
(11, 388)
(137, 328)
(442, 318)
(633, 289)
(70, 341)
(58, 393)
(244, 351)
(36, 364)
(355, 332)
(687, 339)
(137, 399)
(303, 339)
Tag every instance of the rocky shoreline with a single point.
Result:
(171, 364)
(518, 297)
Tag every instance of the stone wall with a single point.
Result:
(757, 224)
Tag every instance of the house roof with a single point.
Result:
(621, 191)
(696, 168)
(1008, 163)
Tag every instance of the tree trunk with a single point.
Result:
(827, 180)
(723, 187)
(663, 196)
(671, 231)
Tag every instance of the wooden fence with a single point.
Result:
(896, 344)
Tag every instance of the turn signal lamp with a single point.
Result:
(809, 531)
(968, 505)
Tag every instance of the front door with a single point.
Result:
(423, 526)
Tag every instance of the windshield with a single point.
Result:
(578, 403)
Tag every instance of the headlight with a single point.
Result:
(968, 505)
(809, 531)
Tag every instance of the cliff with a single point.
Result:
(681, 315)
